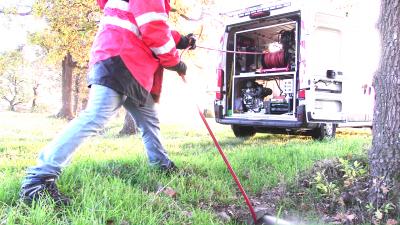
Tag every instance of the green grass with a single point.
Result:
(111, 183)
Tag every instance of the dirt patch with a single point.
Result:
(333, 191)
(266, 203)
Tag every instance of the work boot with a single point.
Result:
(34, 191)
(171, 168)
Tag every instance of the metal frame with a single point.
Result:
(287, 75)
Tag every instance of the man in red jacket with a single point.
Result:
(131, 48)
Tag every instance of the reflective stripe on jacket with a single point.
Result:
(137, 32)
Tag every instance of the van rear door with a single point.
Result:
(324, 56)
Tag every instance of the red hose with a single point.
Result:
(246, 198)
(274, 60)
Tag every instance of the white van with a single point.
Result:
(282, 72)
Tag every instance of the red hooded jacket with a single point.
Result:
(138, 32)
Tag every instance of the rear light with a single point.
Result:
(220, 77)
(218, 95)
(301, 94)
(259, 14)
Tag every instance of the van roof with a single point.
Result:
(278, 7)
(271, 5)
(274, 7)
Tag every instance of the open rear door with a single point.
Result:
(325, 97)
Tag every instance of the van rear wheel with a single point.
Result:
(243, 131)
(324, 131)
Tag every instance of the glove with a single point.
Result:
(187, 41)
(180, 68)
(192, 41)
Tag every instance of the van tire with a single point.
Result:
(324, 131)
(243, 131)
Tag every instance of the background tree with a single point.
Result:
(69, 36)
(13, 83)
(130, 127)
(71, 28)
(80, 90)
(17, 19)
(384, 156)
(44, 78)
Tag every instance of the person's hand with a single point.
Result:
(192, 41)
(188, 41)
(180, 68)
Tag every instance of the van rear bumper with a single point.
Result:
(262, 123)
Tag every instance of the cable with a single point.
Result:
(228, 165)
(277, 84)
(228, 51)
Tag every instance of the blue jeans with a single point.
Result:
(103, 103)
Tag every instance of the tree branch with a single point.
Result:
(24, 13)
(5, 98)
(17, 103)
(186, 17)
(10, 88)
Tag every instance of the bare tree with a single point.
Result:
(12, 82)
(15, 95)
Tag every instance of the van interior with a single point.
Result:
(262, 80)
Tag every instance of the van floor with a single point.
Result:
(257, 116)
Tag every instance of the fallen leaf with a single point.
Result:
(350, 217)
(117, 172)
(124, 222)
(247, 174)
(339, 217)
(378, 215)
(391, 222)
(187, 213)
(224, 217)
(341, 201)
(170, 192)
(347, 183)
(304, 206)
(384, 189)
(110, 222)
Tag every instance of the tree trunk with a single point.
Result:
(130, 127)
(35, 96)
(14, 91)
(67, 68)
(13, 102)
(77, 93)
(12, 106)
(384, 156)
